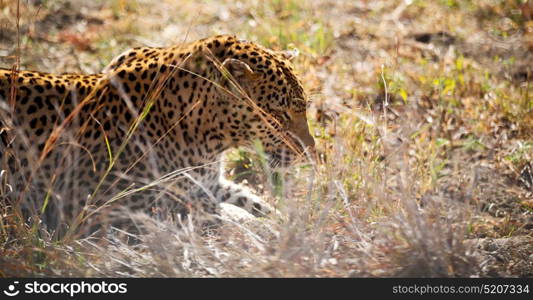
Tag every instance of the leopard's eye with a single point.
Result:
(286, 116)
(286, 120)
(298, 103)
(298, 100)
(282, 118)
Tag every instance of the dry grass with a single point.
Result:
(424, 125)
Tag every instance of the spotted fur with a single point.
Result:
(149, 131)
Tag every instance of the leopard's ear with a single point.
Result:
(289, 54)
(238, 69)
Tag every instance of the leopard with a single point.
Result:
(149, 132)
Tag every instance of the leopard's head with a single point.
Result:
(272, 101)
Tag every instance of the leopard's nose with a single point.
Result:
(306, 143)
(305, 137)
(308, 140)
